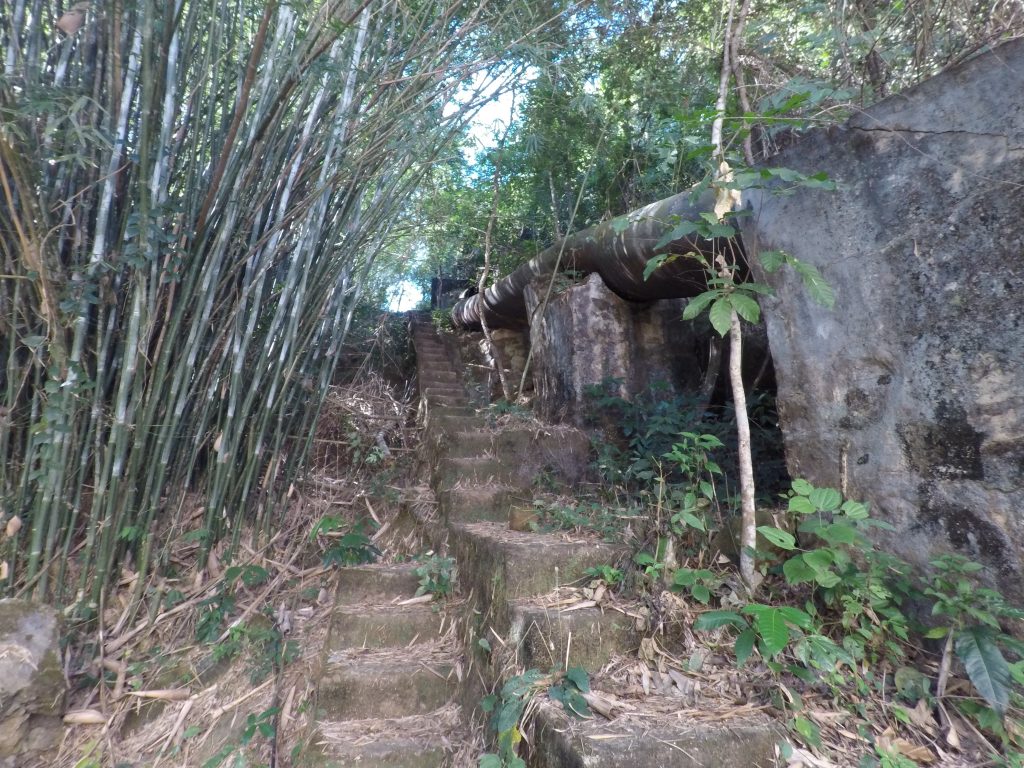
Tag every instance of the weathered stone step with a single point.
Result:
(564, 452)
(376, 583)
(444, 392)
(477, 502)
(460, 471)
(668, 742)
(387, 682)
(420, 741)
(440, 376)
(384, 626)
(589, 637)
(507, 565)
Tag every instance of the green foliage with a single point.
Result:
(353, 547)
(509, 707)
(610, 575)
(436, 574)
(971, 617)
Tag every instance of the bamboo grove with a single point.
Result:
(192, 195)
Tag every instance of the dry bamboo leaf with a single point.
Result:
(579, 606)
(419, 600)
(953, 737)
(3, 570)
(164, 694)
(13, 526)
(85, 717)
(801, 758)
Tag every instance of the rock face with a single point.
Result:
(910, 392)
(32, 685)
(586, 334)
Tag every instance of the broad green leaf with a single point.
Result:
(936, 633)
(759, 288)
(701, 593)
(744, 646)
(721, 316)
(721, 230)
(826, 499)
(802, 487)
(490, 761)
(508, 716)
(698, 304)
(644, 558)
(680, 230)
(579, 677)
(797, 571)
(819, 559)
(746, 307)
(810, 733)
(620, 224)
(575, 704)
(801, 505)
(772, 628)
(796, 617)
(716, 619)
(985, 666)
(855, 510)
(654, 263)
(778, 537)
(839, 533)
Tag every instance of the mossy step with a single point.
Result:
(421, 741)
(747, 741)
(508, 565)
(590, 637)
(376, 583)
(474, 503)
(386, 682)
(384, 626)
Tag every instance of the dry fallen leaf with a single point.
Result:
(164, 694)
(889, 742)
(72, 19)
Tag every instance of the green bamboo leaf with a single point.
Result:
(985, 666)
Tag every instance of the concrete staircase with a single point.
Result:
(401, 684)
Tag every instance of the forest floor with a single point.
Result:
(226, 672)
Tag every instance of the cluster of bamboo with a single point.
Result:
(192, 195)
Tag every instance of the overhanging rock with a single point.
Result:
(910, 393)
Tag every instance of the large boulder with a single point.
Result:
(586, 334)
(910, 392)
(32, 684)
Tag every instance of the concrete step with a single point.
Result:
(464, 472)
(420, 741)
(386, 682)
(668, 742)
(474, 503)
(376, 583)
(384, 626)
(441, 376)
(508, 565)
(545, 635)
